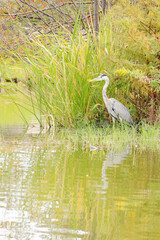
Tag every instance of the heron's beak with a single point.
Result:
(95, 80)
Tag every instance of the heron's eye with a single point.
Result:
(103, 75)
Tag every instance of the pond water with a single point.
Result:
(52, 189)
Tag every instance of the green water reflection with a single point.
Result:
(50, 192)
(52, 189)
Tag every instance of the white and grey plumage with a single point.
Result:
(116, 109)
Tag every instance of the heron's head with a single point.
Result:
(102, 77)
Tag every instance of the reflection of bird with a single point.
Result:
(116, 109)
(113, 159)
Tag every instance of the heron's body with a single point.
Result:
(116, 109)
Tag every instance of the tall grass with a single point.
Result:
(57, 69)
(58, 77)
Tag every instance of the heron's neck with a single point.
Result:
(105, 98)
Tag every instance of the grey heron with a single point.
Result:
(116, 109)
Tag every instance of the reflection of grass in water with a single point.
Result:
(66, 183)
(71, 182)
(63, 185)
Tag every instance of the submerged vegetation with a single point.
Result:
(54, 69)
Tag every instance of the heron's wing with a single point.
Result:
(118, 110)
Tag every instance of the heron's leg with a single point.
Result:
(113, 119)
(121, 122)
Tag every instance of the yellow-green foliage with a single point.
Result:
(126, 49)
(135, 50)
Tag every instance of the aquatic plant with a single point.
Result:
(147, 137)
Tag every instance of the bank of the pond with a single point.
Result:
(90, 136)
(148, 137)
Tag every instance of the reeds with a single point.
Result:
(57, 67)
(57, 77)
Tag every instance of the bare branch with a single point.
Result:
(96, 15)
